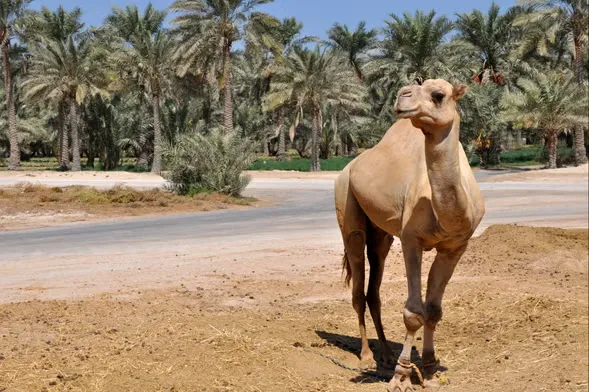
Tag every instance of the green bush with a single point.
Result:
(212, 163)
(524, 154)
(534, 154)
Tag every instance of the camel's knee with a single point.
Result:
(413, 321)
(433, 313)
(355, 244)
(359, 303)
(373, 298)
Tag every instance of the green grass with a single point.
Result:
(524, 156)
(51, 163)
(521, 155)
(300, 164)
(532, 155)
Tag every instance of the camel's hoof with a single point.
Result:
(435, 376)
(400, 383)
(368, 363)
(437, 380)
(388, 361)
(367, 359)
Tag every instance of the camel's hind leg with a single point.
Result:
(378, 246)
(355, 245)
(352, 222)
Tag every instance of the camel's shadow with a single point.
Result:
(354, 345)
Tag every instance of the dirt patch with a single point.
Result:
(515, 320)
(34, 206)
(30, 176)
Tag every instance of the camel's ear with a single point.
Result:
(459, 91)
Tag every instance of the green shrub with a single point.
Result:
(524, 154)
(199, 163)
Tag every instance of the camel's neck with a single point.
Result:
(450, 200)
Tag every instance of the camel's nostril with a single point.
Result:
(405, 92)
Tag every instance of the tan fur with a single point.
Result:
(346, 270)
(417, 185)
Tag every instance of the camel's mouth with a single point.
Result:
(405, 113)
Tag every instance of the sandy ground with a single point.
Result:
(31, 176)
(34, 206)
(564, 175)
(270, 313)
(279, 319)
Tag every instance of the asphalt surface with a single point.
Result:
(302, 207)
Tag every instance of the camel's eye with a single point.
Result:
(438, 96)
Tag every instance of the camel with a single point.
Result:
(415, 184)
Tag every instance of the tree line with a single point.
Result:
(133, 87)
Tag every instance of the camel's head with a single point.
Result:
(430, 105)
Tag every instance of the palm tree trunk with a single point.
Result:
(265, 146)
(345, 146)
(156, 167)
(552, 141)
(281, 156)
(336, 139)
(580, 152)
(142, 161)
(353, 148)
(315, 163)
(14, 159)
(64, 142)
(228, 109)
(76, 159)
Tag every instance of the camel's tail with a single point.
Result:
(347, 269)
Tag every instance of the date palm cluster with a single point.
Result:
(148, 84)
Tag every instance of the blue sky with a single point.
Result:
(316, 15)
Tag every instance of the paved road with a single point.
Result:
(302, 206)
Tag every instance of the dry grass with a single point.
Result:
(508, 326)
(75, 203)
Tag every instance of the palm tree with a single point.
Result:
(290, 37)
(555, 17)
(482, 122)
(251, 80)
(417, 41)
(135, 123)
(208, 30)
(58, 26)
(551, 102)
(307, 80)
(146, 54)
(34, 133)
(413, 46)
(353, 43)
(491, 35)
(66, 71)
(10, 12)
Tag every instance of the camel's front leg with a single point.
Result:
(439, 276)
(413, 315)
